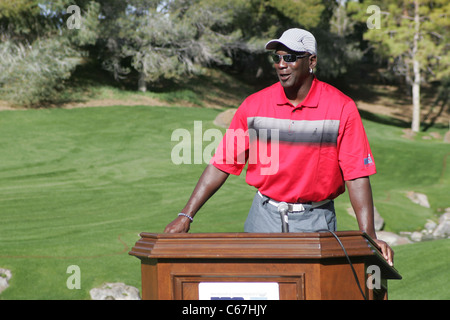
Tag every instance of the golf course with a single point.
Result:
(78, 185)
(111, 110)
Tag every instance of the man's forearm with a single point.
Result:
(210, 181)
(360, 194)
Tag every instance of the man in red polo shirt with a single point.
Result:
(303, 141)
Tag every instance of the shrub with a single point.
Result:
(31, 74)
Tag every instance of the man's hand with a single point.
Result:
(386, 250)
(179, 225)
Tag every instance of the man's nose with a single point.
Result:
(282, 64)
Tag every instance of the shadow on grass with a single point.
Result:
(384, 119)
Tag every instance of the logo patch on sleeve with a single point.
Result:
(368, 161)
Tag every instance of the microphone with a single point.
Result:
(283, 210)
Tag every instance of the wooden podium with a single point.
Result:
(310, 266)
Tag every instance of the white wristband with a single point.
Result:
(185, 215)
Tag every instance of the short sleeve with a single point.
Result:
(232, 153)
(354, 153)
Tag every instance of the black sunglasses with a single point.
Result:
(288, 57)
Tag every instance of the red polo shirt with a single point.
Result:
(297, 153)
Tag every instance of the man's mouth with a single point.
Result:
(284, 76)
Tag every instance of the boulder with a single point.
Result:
(433, 230)
(416, 236)
(419, 198)
(391, 238)
(115, 291)
(447, 137)
(430, 226)
(443, 228)
(5, 276)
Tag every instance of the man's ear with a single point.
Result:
(313, 61)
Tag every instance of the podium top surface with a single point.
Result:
(314, 245)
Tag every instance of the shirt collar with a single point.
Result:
(311, 100)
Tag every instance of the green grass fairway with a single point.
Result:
(424, 268)
(77, 187)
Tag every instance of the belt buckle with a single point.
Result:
(295, 207)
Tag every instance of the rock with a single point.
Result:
(416, 236)
(433, 230)
(115, 291)
(445, 216)
(5, 276)
(430, 226)
(443, 228)
(391, 238)
(427, 235)
(447, 137)
(419, 198)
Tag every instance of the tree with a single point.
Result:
(339, 48)
(414, 37)
(168, 39)
(153, 40)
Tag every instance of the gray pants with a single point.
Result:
(264, 217)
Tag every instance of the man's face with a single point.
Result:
(293, 74)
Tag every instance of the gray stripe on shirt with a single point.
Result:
(298, 131)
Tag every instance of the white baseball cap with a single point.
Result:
(298, 40)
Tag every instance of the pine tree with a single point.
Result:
(414, 37)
